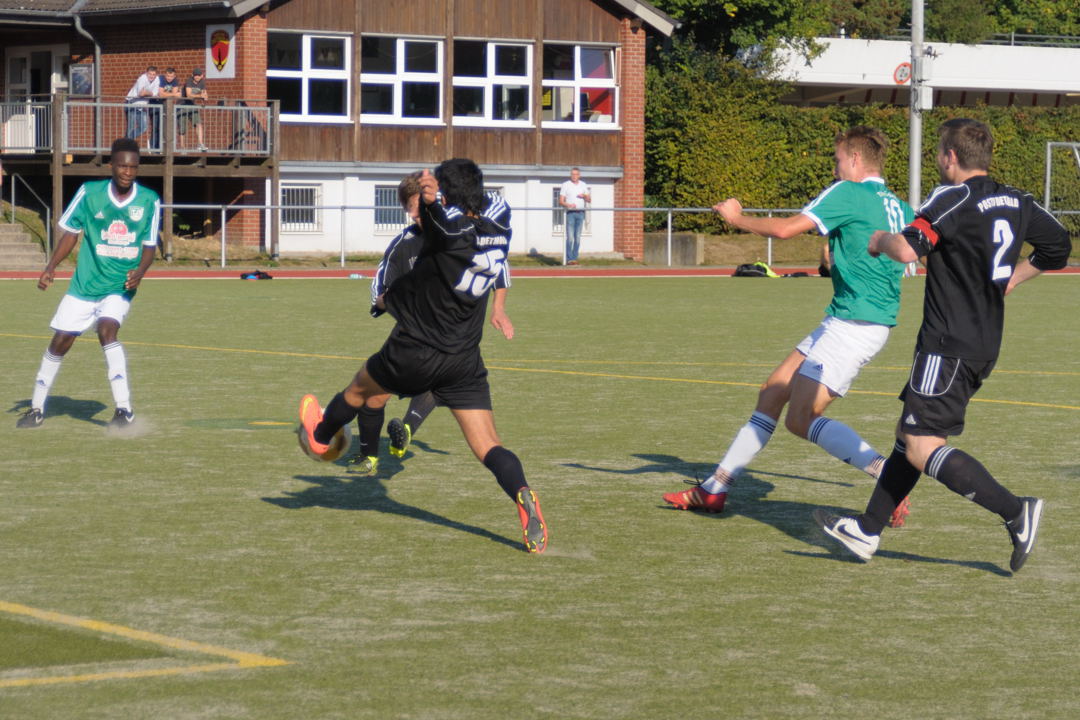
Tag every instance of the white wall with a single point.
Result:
(533, 231)
(871, 63)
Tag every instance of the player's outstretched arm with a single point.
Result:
(778, 227)
(63, 249)
(134, 277)
(499, 319)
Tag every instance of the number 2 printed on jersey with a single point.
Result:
(1003, 237)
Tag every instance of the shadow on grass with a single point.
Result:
(542, 259)
(84, 410)
(910, 557)
(369, 493)
(748, 498)
(420, 444)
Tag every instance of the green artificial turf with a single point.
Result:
(35, 645)
(407, 595)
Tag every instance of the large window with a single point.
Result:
(579, 86)
(400, 80)
(309, 75)
(299, 211)
(492, 83)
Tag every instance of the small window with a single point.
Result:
(309, 75)
(300, 212)
(400, 80)
(389, 215)
(558, 212)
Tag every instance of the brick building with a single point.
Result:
(329, 104)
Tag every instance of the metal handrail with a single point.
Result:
(48, 210)
(1015, 39)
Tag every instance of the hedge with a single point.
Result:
(714, 130)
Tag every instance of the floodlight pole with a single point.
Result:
(915, 116)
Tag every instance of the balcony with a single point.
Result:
(87, 126)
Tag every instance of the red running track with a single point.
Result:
(159, 273)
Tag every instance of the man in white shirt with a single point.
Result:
(137, 97)
(574, 196)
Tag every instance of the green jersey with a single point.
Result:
(864, 288)
(114, 234)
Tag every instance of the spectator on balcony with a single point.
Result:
(138, 97)
(190, 115)
(168, 87)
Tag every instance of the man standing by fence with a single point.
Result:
(574, 195)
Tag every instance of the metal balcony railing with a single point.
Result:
(90, 125)
(26, 126)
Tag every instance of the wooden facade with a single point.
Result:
(529, 21)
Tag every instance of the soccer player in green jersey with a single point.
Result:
(866, 297)
(118, 220)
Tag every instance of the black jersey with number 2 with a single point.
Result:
(971, 235)
(441, 302)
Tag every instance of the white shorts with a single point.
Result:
(76, 316)
(838, 349)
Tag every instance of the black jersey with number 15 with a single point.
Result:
(971, 235)
(441, 302)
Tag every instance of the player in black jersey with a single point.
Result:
(970, 230)
(398, 259)
(440, 307)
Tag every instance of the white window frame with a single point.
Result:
(314, 227)
(306, 73)
(488, 83)
(579, 83)
(400, 76)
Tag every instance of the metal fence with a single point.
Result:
(296, 213)
(280, 213)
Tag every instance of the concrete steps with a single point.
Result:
(18, 250)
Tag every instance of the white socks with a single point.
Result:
(748, 442)
(50, 366)
(843, 443)
(116, 367)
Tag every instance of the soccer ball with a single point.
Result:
(339, 445)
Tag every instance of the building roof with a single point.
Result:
(30, 9)
(658, 20)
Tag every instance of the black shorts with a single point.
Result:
(938, 391)
(404, 366)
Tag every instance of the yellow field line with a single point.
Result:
(240, 659)
(580, 373)
(743, 384)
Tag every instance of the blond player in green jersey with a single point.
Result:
(866, 297)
